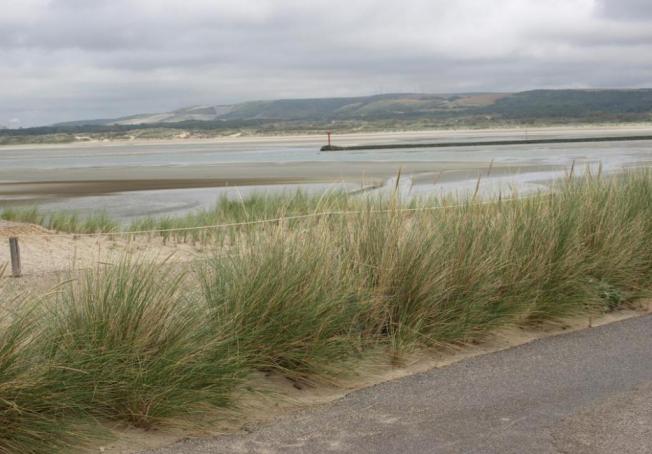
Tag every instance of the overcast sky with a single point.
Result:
(78, 59)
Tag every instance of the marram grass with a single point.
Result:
(146, 345)
(36, 412)
(69, 222)
(289, 301)
(135, 349)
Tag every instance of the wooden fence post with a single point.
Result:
(15, 257)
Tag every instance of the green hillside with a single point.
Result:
(368, 113)
(571, 104)
(380, 106)
(531, 105)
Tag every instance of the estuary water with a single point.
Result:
(129, 180)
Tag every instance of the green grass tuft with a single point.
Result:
(135, 350)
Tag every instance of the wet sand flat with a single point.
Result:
(128, 179)
(235, 172)
(75, 183)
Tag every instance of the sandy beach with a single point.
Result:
(354, 138)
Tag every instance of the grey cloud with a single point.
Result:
(638, 10)
(70, 59)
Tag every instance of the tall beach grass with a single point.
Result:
(36, 413)
(148, 344)
(136, 349)
(70, 222)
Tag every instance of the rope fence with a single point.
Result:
(276, 220)
(16, 259)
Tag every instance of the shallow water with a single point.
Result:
(295, 163)
(180, 155)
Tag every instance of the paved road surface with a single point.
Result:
(584, 392)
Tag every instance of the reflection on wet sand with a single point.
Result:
(130, 180)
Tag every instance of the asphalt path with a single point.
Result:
(588, 391)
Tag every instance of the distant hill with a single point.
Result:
(580, 104)
(528, 105)
(355, 108)
(390, 112)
